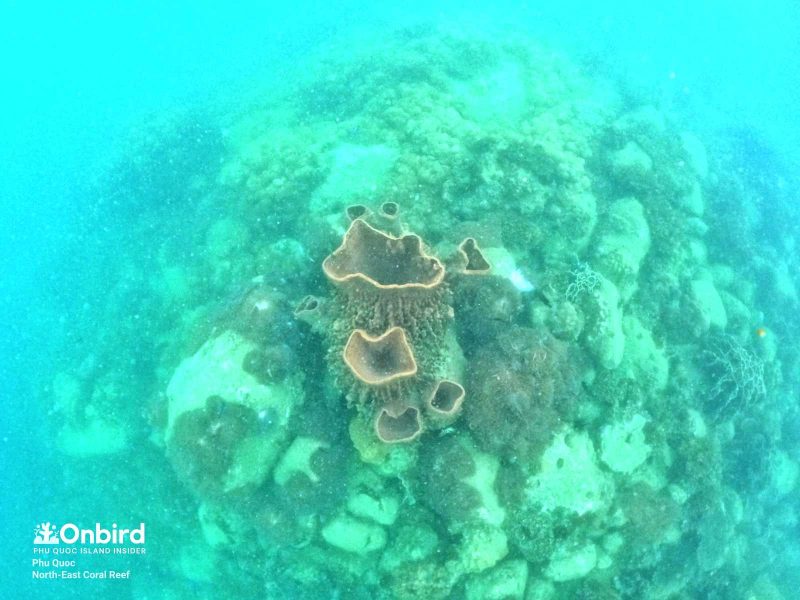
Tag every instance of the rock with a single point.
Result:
(382, 510)
(569, 477)
(643, 361)
(354, 535)
(297, 459)
(696, 153)
(506, 581)
(570, 562)
(95, 437)
(622, 240)
(410, 543)
(603, 334)
(482, 547)
(623, 445)
(693, 202)
(632, 163)
(219, 411)
(707, 301)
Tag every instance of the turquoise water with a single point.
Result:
(414, 301)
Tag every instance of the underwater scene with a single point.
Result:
(310, 302)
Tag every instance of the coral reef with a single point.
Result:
(543, 342)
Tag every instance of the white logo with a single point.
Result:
(45, 533)
(69, 533)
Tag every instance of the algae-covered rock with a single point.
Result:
(88, 429)
(532, 531)
(213, 529)
(632, 164)
(540, 589)
(457, 481)
(96, 436)
(218, 369)
(411, 543)
(563, 319)
(499, 94)
(389, 459)
(354, 535)
(643, 360)
(355, 172)
(623, 445)
(482, 480)
(381, 509)
(225, 237)
(785, 473)
(572, 561)
(694, 204)
(481, 547)
(297, 460)
(709, 308)
(423, 579)
(196, 562)
(696, 153)
(603, 333)
(622, 240)
(506, 581)
(569, 477)
(225, 428)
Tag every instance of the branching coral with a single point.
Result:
(584, 280)
(737, 375)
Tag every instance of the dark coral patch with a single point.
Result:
(204, 442)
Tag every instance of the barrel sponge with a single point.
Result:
(386, 281)
(403, 426)
(470, 258)
(444, 402)
(381, 359)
